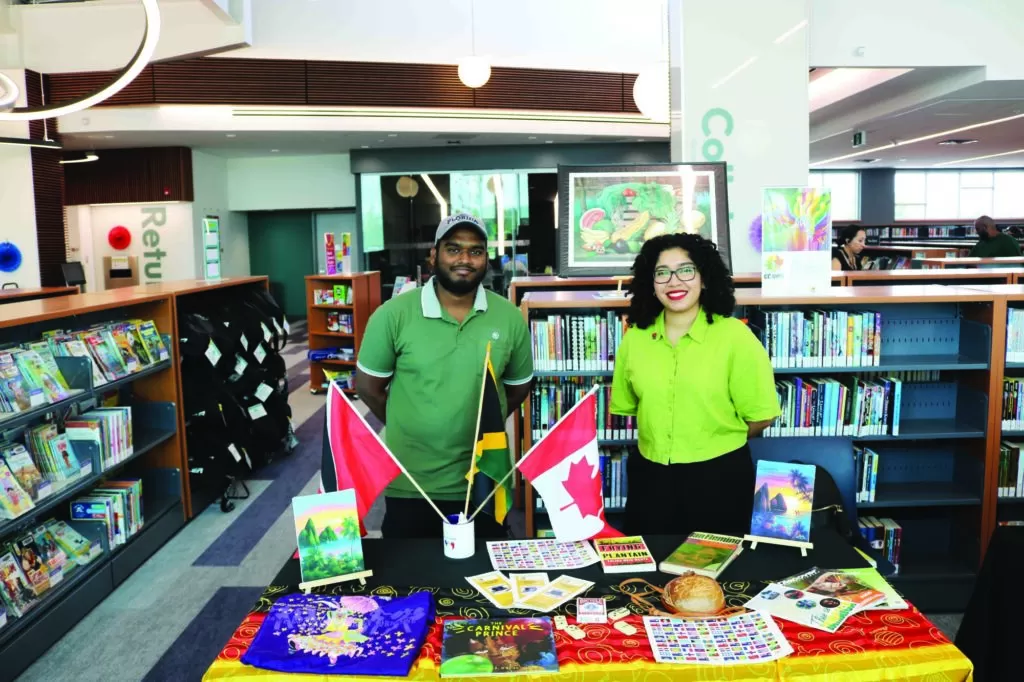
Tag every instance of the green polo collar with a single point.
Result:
(431, 305)
(697, 332)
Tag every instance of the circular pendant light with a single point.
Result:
(130, 72)
(8, 93)
(650, 93)
(474, 72)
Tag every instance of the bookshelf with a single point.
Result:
(954, 276)
(935, 475)
(965, 262)
(364, 299)
(12, 295)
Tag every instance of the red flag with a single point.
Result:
(353, 455)
(565, 469)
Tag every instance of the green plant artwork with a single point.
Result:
(327, 535)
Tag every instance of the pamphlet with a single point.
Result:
(525, 584)
(554, 594)
(863, 586)
(803, 608)
(495, 586)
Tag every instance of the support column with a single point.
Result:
(17, 200)
(739, 95)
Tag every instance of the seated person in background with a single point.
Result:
(992, 242)
(846, 256)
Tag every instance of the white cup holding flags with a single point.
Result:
(459, 537)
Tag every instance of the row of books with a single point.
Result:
(849, 406)
(553, 397)
(340, 322)
(866, 466)
(117, 504)
(1013, 403)
(885, 535)
(1015, 335)
(566, 343)
(614, 480)
(819, 338)
(340, 294)
(38, 560)
(1011, 470)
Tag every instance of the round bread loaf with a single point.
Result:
(694, 595)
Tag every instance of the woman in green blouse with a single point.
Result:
(700, 385)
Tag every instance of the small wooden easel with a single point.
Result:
(361, 576)
(754, 539)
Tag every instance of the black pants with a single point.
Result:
(413, 517)
(715, 496)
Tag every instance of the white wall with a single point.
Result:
(210, 181)
(17, 201)
(265, 183)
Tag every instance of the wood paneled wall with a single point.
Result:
(47, 190)
(131, 175)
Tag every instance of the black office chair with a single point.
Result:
(74, 275)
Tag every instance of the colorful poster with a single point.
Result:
(796, 240)
(343, 255)
(329, 254)
(783, 495)
(327, 534)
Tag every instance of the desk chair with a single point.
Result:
(834, 455)
(74, 275)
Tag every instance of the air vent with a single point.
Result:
(956, 142)
(455, 138)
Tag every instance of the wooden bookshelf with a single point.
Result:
(965, 262)
(12, 295)
(365, 299)
(955, 276)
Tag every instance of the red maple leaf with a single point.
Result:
(584, 487)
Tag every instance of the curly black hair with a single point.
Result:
(849, 233)
(717, 297)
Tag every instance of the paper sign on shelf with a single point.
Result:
(267, 334)
(263, 392)
(213, 353)
(796, 240)
(260, 354)
(240, 364)
(257, 411)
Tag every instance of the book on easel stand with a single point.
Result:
(328, 538)
(783, 499)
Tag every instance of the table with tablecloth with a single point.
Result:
(872, 645)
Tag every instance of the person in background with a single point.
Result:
(993, 242)
(700, 385)
(847, 255)
(419, 371)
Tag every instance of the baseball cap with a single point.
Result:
(458, 220)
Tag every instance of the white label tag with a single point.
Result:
(37, 399)
(213, 353)
(287, 328)
(263, 392)
(248, 462)
(44, 490)
(85, 468)
(234, 452)
(56, 576)
(259, 354)
(3, 617)
(95, 551)
(257, 411)
(245, 342)
(267, 334)
(240, 364)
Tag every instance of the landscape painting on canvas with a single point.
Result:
(783, 496)
(327, 534)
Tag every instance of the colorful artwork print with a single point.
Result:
(327, 533)
(613, 214)
(796, 219)
(349, 635)
(783, 495)
(513, 646)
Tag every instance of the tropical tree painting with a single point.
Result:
(783, 498)
(327, 535)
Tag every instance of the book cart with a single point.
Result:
(934, 477)
(157, 459)
(364, 299)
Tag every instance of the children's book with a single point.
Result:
(624, 555)
(75, 545)
(24, 469)
(50, 552)
(18, 396)
(14, 586)
(39, 376)
(703, 553)
(14, 501)
(803, 607)
(32, 563)
(485, 647)
(863, 586)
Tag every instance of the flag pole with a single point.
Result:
(388, 450)
(535, 446)
(476, 432)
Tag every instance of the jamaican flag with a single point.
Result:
(491, 455)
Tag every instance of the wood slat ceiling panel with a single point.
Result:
(231, 81)
(553, 90)
(63, 87)
(131, 175)
(376, 84)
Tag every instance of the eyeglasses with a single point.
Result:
(684, 273)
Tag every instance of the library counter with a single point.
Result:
(903, 644)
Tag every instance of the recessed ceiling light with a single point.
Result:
(532, 137)
(640, 140)
(231, 135)
(108, 137)
(380, 140)
(365, 146)
(274, 151)
(549, 141)
(956, 142)
(392, 134)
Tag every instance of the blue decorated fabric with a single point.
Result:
(342, 634)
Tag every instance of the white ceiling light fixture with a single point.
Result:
(88, 158)
(979, 158)
(650, 94)
(134, 68)
(437, 195)
(474, 71)
(9, 93)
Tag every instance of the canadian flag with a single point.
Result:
(565, 469)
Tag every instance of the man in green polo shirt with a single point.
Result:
(992, 242)
(419, 371)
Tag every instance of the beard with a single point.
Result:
(459, 287)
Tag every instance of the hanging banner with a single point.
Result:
(796, 245)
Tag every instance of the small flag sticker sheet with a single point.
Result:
(750, 637)
(540, 555)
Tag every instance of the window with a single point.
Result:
(845, 192)
(958, 195)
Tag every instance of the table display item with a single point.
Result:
(495, 587)
(783, 498)
(330, 255)
(540, 555)
(591, 610)
(342, 635)
(624, 555)
(327, 535)
(576, 632)
(705, 554)
(748, 637)
(459, 536)
(557, 592)
(803, 607)
(863, 586)
(486, 647)
(689, 595)
(525, 584)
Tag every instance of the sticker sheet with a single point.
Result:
(750, 637)
(805, 608)
(557, 592)
(540, 555)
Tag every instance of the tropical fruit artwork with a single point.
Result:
(612, 215)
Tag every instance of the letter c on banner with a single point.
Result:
(713, 147)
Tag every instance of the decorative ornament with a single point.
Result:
(407, 187)
(10, 257)
(119, 238)
(754, 231)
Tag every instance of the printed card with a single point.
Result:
(556, 593)
(591, 610)
(495, 586)
(525, 584)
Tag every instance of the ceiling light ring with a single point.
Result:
(124, 77)
(10, 93)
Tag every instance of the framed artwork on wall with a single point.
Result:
(606, 213)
